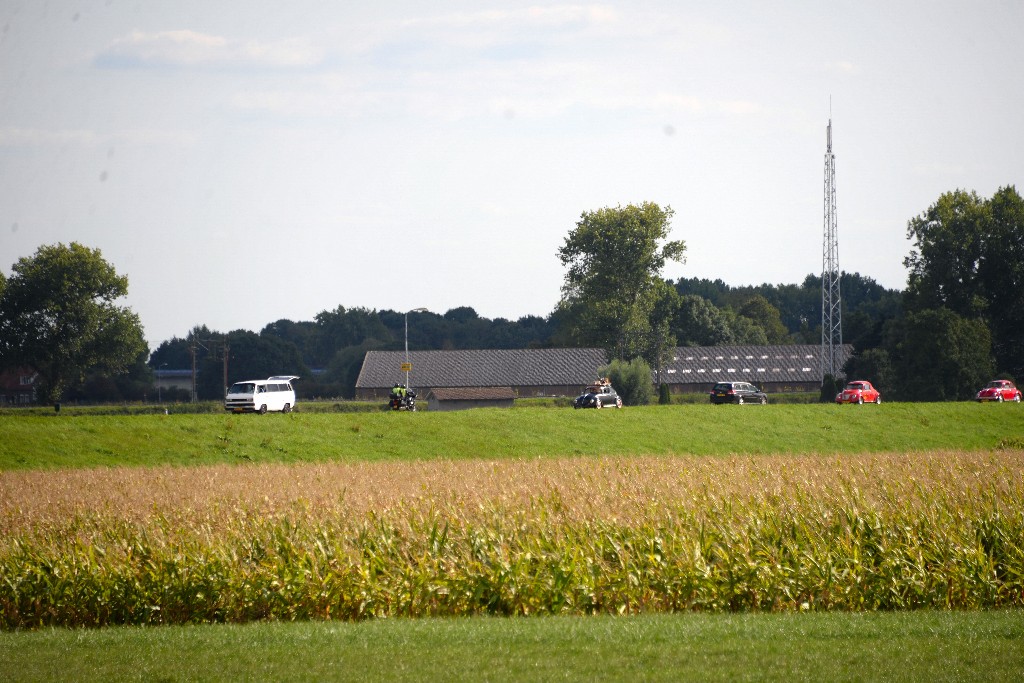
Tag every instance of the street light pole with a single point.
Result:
(415, 310)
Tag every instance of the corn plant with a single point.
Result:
(587, 536)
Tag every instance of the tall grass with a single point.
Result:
(570, 536)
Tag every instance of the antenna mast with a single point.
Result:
(831, 304)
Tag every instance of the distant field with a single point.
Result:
(32, 441)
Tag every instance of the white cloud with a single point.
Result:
(314, 100)
(41, 137)
(37, 137)
(530, 63)
(552, 16)
(184, 49)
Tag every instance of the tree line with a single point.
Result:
(959, 321)
(963, 320)
(336, 341)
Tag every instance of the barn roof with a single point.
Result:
(549, 367)
(787, 363)
(482, 368)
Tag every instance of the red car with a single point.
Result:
(859, 392)
(999, 390)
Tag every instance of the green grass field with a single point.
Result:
(900, 646)
(735, 543)
(62, 441)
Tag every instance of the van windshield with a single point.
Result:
(242, 388)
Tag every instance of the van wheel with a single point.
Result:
(263, 409)
(287, 408)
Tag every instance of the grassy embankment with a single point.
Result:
(324, 405)
(61, 441)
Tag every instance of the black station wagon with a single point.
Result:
(737, 392)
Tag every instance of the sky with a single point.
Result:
(243, 162)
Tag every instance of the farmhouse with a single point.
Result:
(18, 387)
(562, 372)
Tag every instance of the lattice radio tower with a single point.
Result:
(831, 304)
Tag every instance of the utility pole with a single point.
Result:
(831, 302)
(192, 352)
(407, 366)
(227, 354)
(195, 344)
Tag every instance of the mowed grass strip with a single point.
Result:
(528, 537)
(922, 646)
(48, 442)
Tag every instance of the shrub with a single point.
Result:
(829, 388)
(632, 379)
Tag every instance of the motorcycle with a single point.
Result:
(407, 402)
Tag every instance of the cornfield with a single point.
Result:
(942, 530)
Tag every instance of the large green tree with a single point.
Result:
(1002, 271)
(947, 250)
(759, 310)
(613, 289)
(660, 340)
(341, 328)
(134, 383)
(937, 355)
(698, 322)
(58, 316)
(866, 306)
(968, 257)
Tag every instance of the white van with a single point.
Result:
(260, 395)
